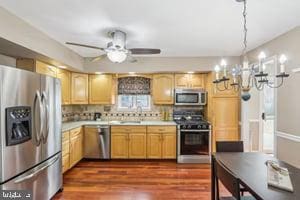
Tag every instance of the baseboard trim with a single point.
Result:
(288, 136)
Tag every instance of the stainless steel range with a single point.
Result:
(194, 136)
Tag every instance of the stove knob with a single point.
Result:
(184, 126)
(189, 126)
(199, 127)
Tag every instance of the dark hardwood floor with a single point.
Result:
(136, 180)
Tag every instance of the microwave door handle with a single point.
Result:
(36, 171)
(46, 116)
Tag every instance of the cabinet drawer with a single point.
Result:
(65, 163)
(161, 129)
(65, 147)
(65, 136)
(75, 132)
(128, 129)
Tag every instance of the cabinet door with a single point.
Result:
(197, 81)
(65, 78)
(154, 145)
(65, 162)
(119, 145)
(76, 149)
(225, 118)
(79, 88)
(169, 145)
(100, 89)
(43, 68)
(163, 89)
(137, 145)
(182, 81)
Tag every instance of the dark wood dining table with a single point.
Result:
(251, 170)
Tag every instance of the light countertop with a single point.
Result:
(71, 125)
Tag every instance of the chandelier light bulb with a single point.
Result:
(262, 56)
(223, 63)
(282, 59)
(217, 68)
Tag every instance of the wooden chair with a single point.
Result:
(230, 146)
(230, 182)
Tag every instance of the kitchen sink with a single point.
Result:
(130, 122)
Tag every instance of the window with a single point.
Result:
(131, 102)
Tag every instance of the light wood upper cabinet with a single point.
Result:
(137, 145)
(43, 68)
(79, 92)
(65, 78)
(100, 89)
(197, 81)
(36, 66)
(182, 81)
(191, 81)
(163, 89)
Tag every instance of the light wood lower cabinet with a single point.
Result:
(128, 142)
(72, 148)
(140, 142)
(76, 144)
(137, 145)
(119, 145)
(161, 142)
(154, 146)
(65, 151)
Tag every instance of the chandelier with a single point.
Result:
(243, 78)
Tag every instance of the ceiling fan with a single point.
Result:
(116, 50)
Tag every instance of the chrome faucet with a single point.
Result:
(139, 111)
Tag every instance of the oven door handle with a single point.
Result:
(194, 131)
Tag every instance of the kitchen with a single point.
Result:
(107, 105)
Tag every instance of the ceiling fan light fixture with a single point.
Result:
(117, 56)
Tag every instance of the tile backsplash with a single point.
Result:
(110, 113)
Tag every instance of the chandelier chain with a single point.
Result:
(245, 28)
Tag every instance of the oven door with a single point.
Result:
(194, 142)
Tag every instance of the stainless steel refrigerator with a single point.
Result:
(30, 125)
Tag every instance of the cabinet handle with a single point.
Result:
(161, 129)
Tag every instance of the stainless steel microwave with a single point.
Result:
(190, 97)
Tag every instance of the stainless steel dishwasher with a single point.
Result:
(97, 141)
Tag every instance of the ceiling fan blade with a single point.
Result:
(83, 45)
(95, 59)
(141, 51)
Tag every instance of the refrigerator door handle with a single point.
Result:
(46, 116)
(36, 171)
(38, 133)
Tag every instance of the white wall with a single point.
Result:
(288, 106)
(8, 61)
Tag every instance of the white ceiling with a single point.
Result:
(178, 27)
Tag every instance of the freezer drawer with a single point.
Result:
(43, 180)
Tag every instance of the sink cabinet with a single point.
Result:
(128, 142)
(141, 142)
